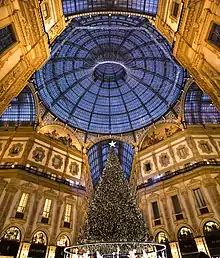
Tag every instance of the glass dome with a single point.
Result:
(110, 74)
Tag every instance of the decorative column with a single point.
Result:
(167, 217)
(175, 250)
(201, 245)
(3, 184)
(38, 196)
(57, 220)
(66, 163)
(213, 142)
(214, 195)
(176, 166)
(7, 203)
(27, 150)
(23, 250)
(51, 251)
(192, 145)
(189, 210)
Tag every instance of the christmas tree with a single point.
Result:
(112, 214)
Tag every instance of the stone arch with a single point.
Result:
(182, 225)
(204, 221)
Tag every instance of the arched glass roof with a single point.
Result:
(199, 108)
(21, 110)
(110, 74)
(98, 153)
(71, 7)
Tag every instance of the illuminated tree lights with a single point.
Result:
(112, 214)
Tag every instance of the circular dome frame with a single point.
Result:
(145, 88)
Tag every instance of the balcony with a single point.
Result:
(44, 175)
(189, 168)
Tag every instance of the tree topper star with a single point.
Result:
(112, 144)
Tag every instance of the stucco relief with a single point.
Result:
(15, 150)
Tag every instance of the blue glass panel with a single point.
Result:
(122, 78)
(98, 153)
(199, 108)
(21, 110)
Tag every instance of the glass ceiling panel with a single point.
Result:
(71, 7)
(21, 110)
(98, 153)
(106, 76)
(199, 108)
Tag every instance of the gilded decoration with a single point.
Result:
(164, 160)
(1, 144)
(74, 168)
(57, 161)
(15, 150)
(39, 238)
(38, 154)
(64, 139)
(63, 240)
(205, 146)
(182, 151)
(159, 134)
(12, 233)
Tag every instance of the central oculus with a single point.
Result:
(110, 75)
(109, 71)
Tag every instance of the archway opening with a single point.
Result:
(10, 242)
(187, 244)
(97, 156)
(38, 246)
(212, 236)
(162, 238)
(62, 242)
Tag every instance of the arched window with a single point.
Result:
(212, 236)
(12, 233)
(63, 241)
(199, 108)
(38, 245)
(187, 243)
(162, 238)
(98, 153)
(39, 238)
(21, 110)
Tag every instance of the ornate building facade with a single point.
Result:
(55, 61)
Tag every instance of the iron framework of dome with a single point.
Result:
(110, 74)
(199, 108)
(72, 7)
